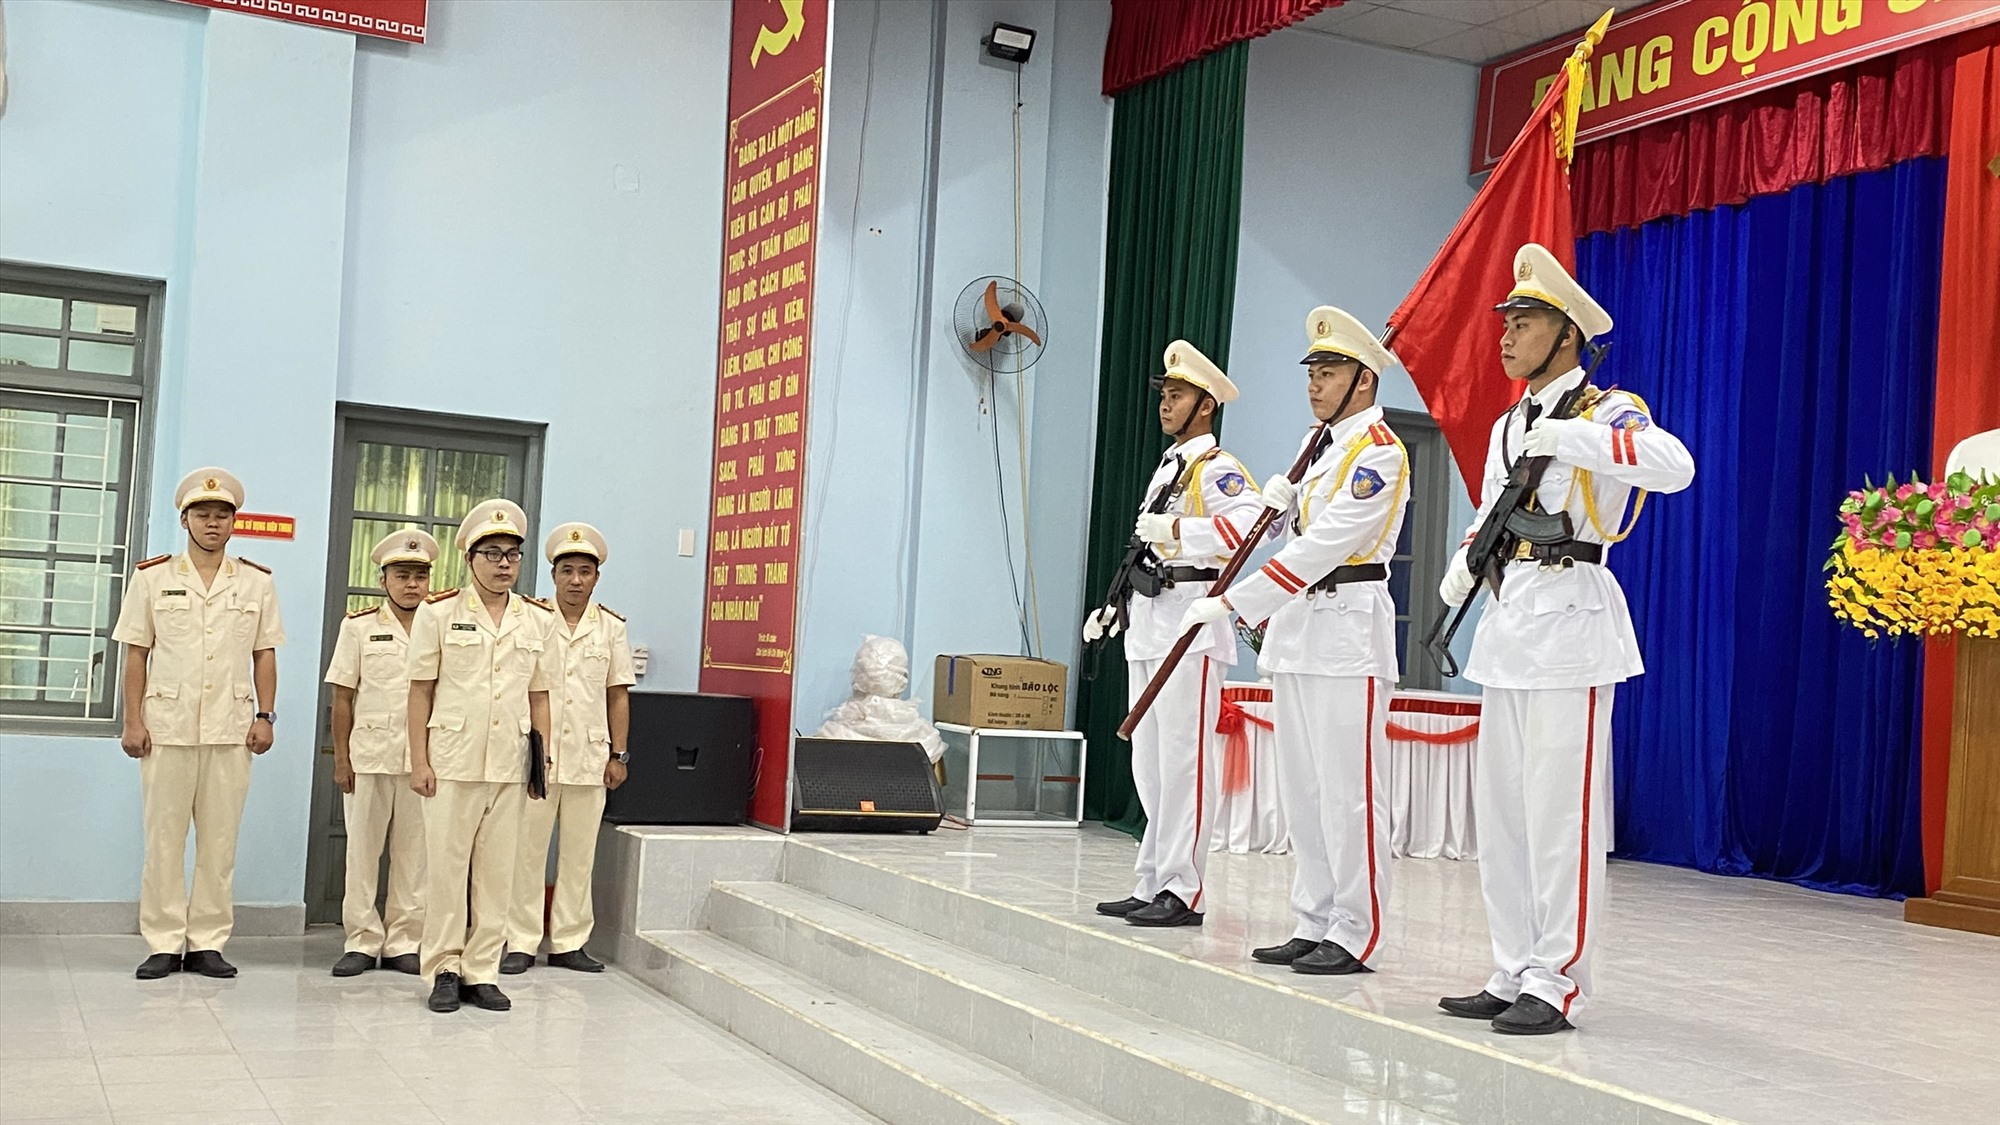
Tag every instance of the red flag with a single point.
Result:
(1445, 331)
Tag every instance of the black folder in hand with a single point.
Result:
(538, 766)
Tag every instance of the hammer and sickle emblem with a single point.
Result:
(774, 42)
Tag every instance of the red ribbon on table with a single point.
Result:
(1462, 735)
(1236, 752)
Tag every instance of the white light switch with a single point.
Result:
(640, 656)
(687, 542)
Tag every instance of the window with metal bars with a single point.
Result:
(78, 353)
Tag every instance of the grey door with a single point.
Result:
(395, 469)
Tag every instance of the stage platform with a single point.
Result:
(964, 976)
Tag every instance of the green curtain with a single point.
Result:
(1170, 273)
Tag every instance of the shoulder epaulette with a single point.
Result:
(251, 563)
(154, 561)
(1381, 434)
(441, 595)
(362, 612)
(538, 603)
(611, 611)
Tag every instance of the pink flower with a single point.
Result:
(1888, 539)
(1904, 492)
(1892, 514)
(1938, 490)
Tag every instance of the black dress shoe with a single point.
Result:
(1481, 1007)
(444, 993)
(1329, 960)
(487, 996)
(515, 964)
(1284, 954)
(1166, 910)
(576, 959)
(402, 963)
(1530, 1015)
(158, 965)
(1120, 908)
(209, 963)
(353, 964)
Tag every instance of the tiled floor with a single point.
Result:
(81, 1041)
(1749, 999)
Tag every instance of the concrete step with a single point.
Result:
(1381, 1058)
(898, 1073)
(1125, 1063)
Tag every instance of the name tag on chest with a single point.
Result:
(383, 637)
(173, 593)
(464, 627)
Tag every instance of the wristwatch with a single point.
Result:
(270, 717)
(622, 757)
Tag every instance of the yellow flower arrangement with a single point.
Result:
(1919, 559)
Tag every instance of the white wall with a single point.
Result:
(904, 535)
(519, 218)
(1353, 174)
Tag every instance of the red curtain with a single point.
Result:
(1152, 37)
(1968, 391)
(1855, 119)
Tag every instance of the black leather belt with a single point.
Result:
(1346, 575)
(1171, 576)
(1566, 553)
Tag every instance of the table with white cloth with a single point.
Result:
(1431, 739)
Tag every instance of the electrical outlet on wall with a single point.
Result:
(640, 655)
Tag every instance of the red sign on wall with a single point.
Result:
(1676, 56)
(257, 525)
(384, 19)
(777, 72)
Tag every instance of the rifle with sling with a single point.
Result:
(1138, 573)
(1514, 522)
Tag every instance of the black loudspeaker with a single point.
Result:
(693, 758)
(847, 785)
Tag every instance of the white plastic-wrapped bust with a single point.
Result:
(1976, 454)
(877, 711)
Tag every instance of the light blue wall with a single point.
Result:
(904, 536)
(1353, 174)
(518, 218)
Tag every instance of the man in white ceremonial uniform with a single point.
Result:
(1552, 644)
(480, 672)
(371, 762)
(1331, 651)
(1199, 505)
(590, 715)
(201, 631)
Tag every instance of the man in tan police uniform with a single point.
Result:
(371, 761)
(590, 715)
(200, 631)
(480, 670)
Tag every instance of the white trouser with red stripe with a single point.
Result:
(1177, 778)
(1333, 778)
(1541, 799)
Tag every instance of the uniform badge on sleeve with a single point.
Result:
(1630, 420)
(1367, 482)
(1231, 484)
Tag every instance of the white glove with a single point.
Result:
(1546, 434)
(1203, 611)
(1156, 528)
(1100, 624)
(1458, 583)
(1280, 494)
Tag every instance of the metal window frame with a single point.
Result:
(139, 389)
(1430, 536)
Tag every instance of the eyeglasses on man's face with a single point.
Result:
(496, 555)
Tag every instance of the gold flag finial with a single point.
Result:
(1579, 76)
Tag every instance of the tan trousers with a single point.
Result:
(381, 811)
(575, 811)
(471, 829)
(203, 786)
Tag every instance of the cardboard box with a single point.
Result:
(1002, 692)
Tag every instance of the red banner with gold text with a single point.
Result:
(1676, 56)
(384, 19)
(777, 72)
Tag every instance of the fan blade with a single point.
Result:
(1020, 329)
(985, 340)
(993, 312)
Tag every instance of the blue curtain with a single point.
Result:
(1791, 342)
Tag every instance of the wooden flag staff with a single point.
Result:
(1229, 573)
